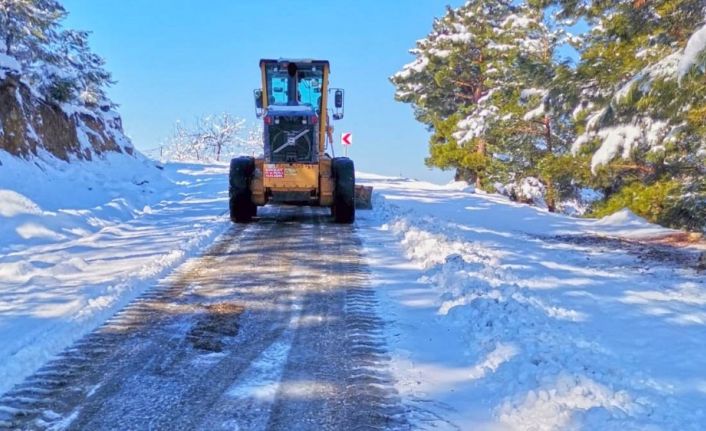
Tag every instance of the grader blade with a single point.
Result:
(363, 197)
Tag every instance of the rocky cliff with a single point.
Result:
(29, 125)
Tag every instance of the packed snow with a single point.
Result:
(79, 240)
(497, 321)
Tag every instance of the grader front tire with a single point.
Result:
(343, 209)
(242, 209)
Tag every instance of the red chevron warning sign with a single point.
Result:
(346, 138)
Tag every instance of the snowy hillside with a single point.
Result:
(82, 239)
(508, 317)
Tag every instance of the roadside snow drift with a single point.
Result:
(503, 316)
(79, 240)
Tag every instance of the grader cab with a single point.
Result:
(296, 167)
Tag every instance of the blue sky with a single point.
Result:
(180, 59)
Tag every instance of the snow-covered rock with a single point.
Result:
(694, 53)
(29, 126)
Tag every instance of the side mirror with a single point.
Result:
(258, 103)
(338, 103)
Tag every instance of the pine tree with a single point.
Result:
(28, 26)
(628, 118)
(496, 100)
(451, 80)
(57, 62)
(534, 99)
(643, 124)
(83, 70)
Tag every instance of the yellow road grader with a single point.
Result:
(295, 167)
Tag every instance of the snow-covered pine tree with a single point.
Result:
(532, 94)
(443, 77)
(28, 26)
(492, 33)
(57, 62)
(628, 119)
(643, 128)
(450, 84)
(487, 82)
(87, 70)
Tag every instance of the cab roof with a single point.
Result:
(293, 60)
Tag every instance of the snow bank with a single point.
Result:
(461, 186)
(494, 325)
(67, 200)
(80, 240)
(623, 219)
(627, 224)
(14, 204)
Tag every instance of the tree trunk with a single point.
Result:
(480, 150)
(551, 190)
(8, 44)
(465, 174)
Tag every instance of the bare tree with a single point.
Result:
(218, 133)
(213, 138)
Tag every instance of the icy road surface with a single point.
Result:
(274, 327)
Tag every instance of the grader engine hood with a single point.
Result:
(291, 135)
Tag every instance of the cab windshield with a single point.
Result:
(309, 88)
(301, 89)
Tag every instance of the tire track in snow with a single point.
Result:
(308, 340)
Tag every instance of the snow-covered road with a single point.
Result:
(273, 327)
